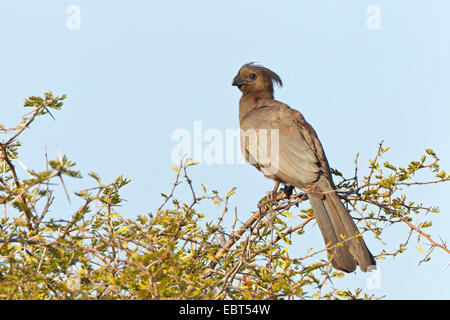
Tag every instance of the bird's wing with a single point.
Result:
(296, 155)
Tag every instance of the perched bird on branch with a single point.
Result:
(278, 141)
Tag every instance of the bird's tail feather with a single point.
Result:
(337, 226)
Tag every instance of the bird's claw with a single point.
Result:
(288, 190)
(275, 196)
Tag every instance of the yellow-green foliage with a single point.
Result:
(176, 252)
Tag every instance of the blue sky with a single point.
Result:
(136, 71)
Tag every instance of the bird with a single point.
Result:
(299, 161)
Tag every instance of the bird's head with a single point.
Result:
(252, 78)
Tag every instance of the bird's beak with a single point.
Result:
(237, 81)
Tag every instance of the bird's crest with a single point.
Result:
(269, 73)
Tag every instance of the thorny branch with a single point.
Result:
(354, 193)
(174, 253)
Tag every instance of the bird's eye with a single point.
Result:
(253, 76)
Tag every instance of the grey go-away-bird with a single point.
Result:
(301, 162)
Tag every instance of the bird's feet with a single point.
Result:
(275, 196)
(288, 190)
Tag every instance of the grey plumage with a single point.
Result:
(300, 162)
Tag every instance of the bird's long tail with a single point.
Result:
(337, 226)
